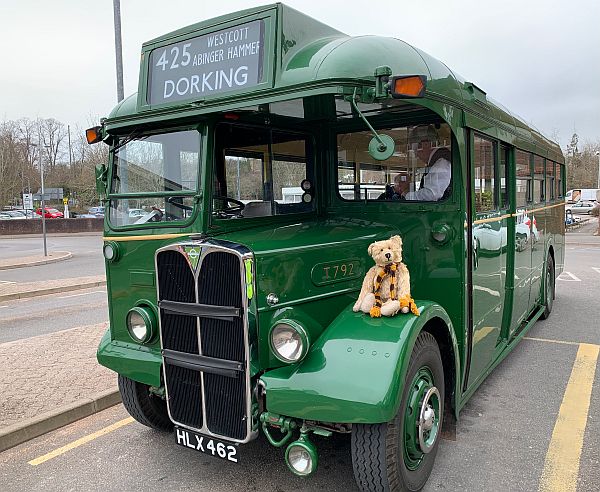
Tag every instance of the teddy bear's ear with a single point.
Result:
(397, 240)
(370, 249)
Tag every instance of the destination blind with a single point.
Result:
(223, 61)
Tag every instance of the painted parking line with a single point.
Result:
(80, 442)
(82, 294)
(6, 282)
(572, 277)
(548, 340)
(561, 466)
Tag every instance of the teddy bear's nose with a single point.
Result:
(388, 255)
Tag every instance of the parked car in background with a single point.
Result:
(51, 213)
(97, 211)
(30, 214)
(15, 214)
(582, 207)
(136, 212)
(5, 216)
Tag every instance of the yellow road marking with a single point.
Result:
(561, 467)
(80, 442)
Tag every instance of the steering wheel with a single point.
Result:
(239, 206)
(172, 201)
(154, 215)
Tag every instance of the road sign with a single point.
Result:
(28, 201)
(65, 201)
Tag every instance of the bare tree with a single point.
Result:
(53, 135)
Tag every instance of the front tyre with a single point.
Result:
(399, 455)
(144, 406)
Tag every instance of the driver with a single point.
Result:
(436, 180)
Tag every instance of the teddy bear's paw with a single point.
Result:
(367, 303)
(356, 307)
(375, 312)
(404, 309)
(390, 308)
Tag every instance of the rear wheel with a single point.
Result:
(549, 284)
(144, 406)
(399, 455)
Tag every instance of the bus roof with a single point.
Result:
(311, 57)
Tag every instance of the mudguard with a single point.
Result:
(137, 362)
(354, 372)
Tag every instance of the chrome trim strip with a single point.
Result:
(207, 247)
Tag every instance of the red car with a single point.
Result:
(51, 213)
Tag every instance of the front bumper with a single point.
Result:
(137, 362)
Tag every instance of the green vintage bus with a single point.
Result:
(262, 155)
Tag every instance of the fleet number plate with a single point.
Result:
(207, 445)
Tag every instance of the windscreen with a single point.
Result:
(165, 163)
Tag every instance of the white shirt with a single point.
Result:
(435, 183)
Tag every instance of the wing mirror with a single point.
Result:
(101, 179)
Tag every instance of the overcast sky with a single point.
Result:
(540, 58)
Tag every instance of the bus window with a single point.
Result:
(503, 176)
(538, 179)
(484, 175)
(523, 177)
(419, 169)
(549, 180)
(559, 180)
(260, 172)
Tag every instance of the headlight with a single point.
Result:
(289, 341)
(111, 251)
(140, 324)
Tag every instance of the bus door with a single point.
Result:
(537, 230)
(524, 238)
(489, 201)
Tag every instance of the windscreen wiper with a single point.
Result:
(135, 134)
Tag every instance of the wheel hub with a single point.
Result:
(428, 420)
(421, 418)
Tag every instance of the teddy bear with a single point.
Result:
(386, 287)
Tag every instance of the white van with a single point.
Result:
(588, 194)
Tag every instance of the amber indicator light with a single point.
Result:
(411, 86)
(93, 135)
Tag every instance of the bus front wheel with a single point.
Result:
(398, 455)
(145, 407)
(549, 288)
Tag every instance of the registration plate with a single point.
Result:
(207, 445)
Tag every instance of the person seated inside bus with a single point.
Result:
(436, 180)
(394, 191)
(435, 183)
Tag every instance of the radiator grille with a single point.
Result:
(212, 403)
(185, 395)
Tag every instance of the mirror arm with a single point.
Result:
(382, 145)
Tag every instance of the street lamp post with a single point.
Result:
(43, 209)
(118, 49)
(43, 192)
(598, 182)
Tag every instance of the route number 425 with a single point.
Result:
(176, 61)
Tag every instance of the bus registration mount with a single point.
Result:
(222, 61)
(207, 445)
